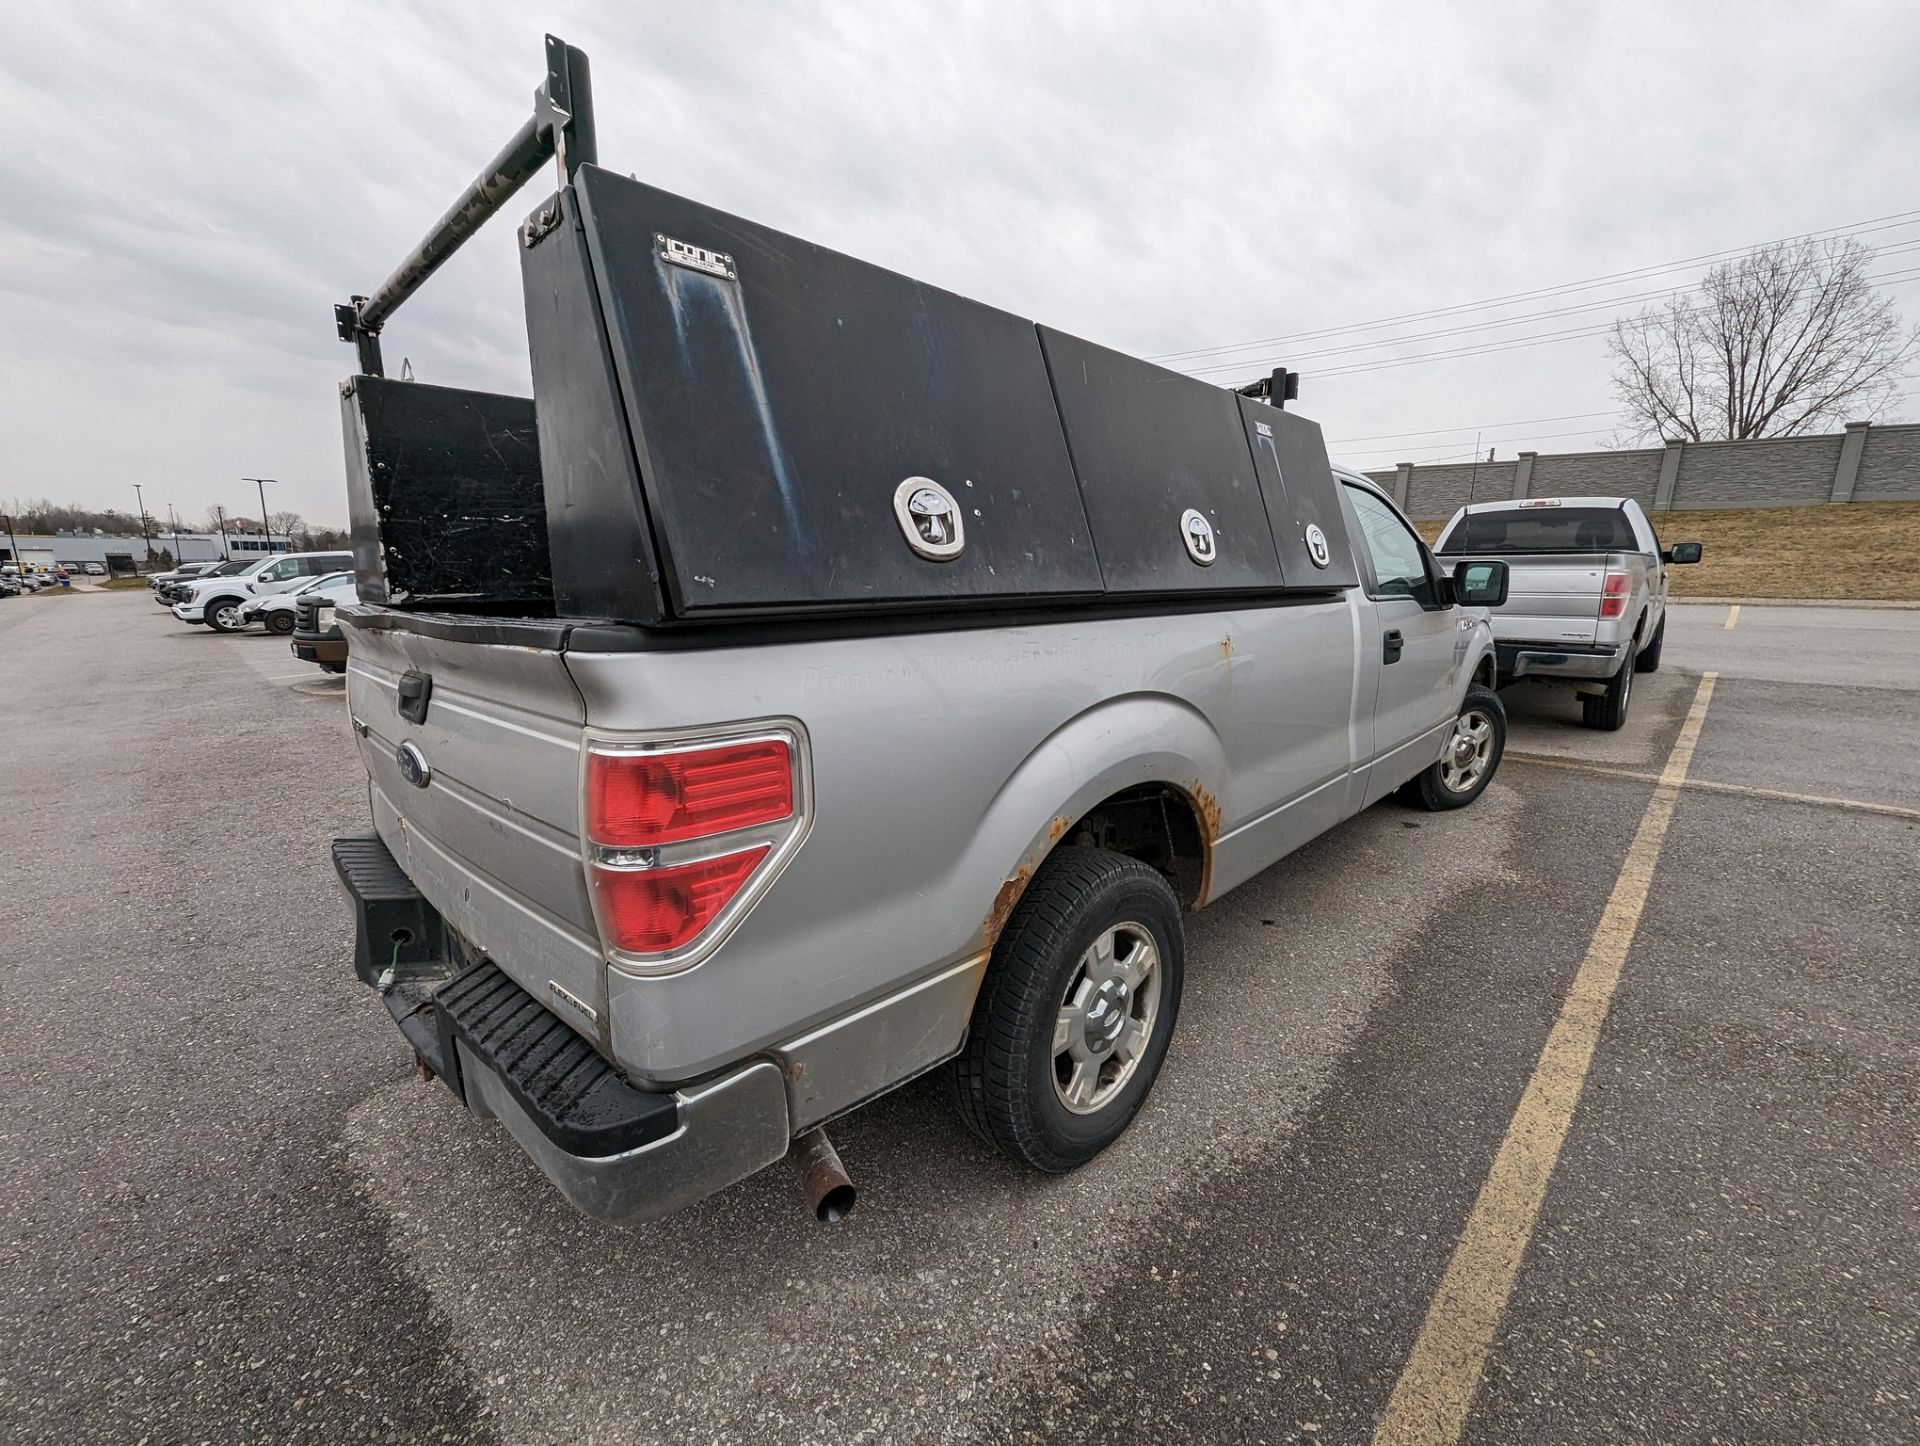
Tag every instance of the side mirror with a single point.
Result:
(1480, 584)
(1681, 552)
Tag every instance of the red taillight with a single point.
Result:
(654, 911)
(1613, 594)
(642, 800)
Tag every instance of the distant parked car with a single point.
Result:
(1587, 598)
(160, 580)
(217, 600)
(276, 610)
(10, 585)
(170, 593)
(94, 569)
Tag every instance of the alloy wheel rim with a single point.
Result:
(1469, 751)
(1106, 1018)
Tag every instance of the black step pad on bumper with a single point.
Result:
(570, 1091)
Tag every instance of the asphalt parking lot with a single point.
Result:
(231, 1213)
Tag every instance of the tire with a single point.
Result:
(1048, 977)
(223, 614)
(280, 621)
(1456, 781)
(1608, 711)
(1648, 658)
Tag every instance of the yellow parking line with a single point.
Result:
(1733, 615)
(1436, 1387)
(1746, 790)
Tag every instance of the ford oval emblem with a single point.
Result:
(413, 765)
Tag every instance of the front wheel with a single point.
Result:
(223, 615)
(1074, 1016)
(280, 622)
(1472, 755)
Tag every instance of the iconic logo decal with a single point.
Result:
(695, 258)
(1197, 533)
(413, 765)
(1317, 548)
(929, 518)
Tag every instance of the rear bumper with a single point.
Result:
(1559, 660)
(322, 648)
(618, 1153)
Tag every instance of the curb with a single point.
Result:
(1793, 602)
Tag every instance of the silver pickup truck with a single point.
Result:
(1588, 593)
(825, 678)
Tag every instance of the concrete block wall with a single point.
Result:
(1861, 464)
(1599, 474)
(1889, 465)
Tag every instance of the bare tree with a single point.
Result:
(286, 524)
(1788, 339)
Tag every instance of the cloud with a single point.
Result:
(192, 188)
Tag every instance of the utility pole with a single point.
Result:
(12, 541)
(174, 518)
(145, 535)
(265, 526)
(220, 516)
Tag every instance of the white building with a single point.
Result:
(122, 554)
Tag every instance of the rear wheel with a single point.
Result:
(1608, 710)
(1472, 756)
(1075, 1013)
(1648, 660)
(222, 614)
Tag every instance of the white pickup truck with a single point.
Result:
(824, 678)
(1587, 599)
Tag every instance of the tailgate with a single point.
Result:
(1551, 597)
(492, 837)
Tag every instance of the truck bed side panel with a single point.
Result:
(945, 765)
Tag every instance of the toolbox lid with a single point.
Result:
(816, 430)
(1164, 471)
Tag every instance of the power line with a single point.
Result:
(1473, 427)
(1528, 437)
(1891, 278)
(1495, 325)
(1891, 221)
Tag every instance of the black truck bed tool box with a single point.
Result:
(735, 423)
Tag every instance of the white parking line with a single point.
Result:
(1733, 616)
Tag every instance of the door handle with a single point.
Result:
(1390, 644)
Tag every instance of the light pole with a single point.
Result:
(145, 535)
(261, 483)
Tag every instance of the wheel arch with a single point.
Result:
(1139, 774)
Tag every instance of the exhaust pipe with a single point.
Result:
(822, 1178)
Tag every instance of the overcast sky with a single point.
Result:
(187, 190)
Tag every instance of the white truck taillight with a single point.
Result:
(1614, 593)
(684, 834)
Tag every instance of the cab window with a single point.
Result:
(1399, 562)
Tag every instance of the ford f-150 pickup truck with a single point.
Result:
(825, 678)
(1588, 592)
